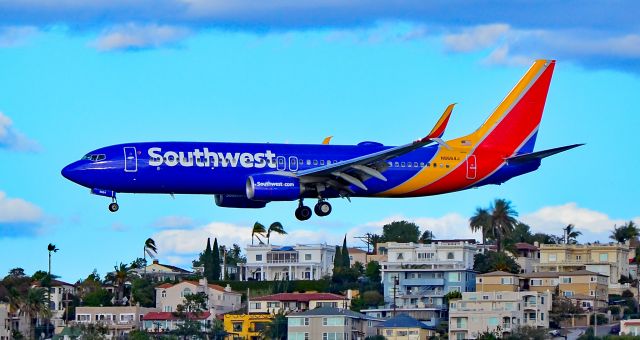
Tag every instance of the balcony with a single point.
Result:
(422, 282)
(530, 305)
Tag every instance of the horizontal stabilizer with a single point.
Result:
(540, 154)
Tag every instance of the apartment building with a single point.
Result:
(527, 256)
(267, 262)
(498, 281)
(59, 296)
(297, 302)
(119, 320)
(160, 272)
(357, 255)
(220, 299)
(417, 276)
(499, 312)
(10, 321)
(540, 281)
(610, 259)
(162, 322)
(328, 323)
(587, 289)
(630, 327)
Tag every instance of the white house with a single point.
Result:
(220, 299)
(267, 262)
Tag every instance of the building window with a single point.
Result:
(83, 317)
(185, 292)
(566, 280)
(258, 257)
(450, 256)
(237, 326)
(164, 293)
(506, 280)
(604, 257)
(332, 336)
(568, 293)
(307, 257)
(461, 322)
(400, 256)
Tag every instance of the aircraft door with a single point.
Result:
(282, 163)
(293, 163)
(130, 159)
(472, 167)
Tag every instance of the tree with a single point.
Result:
(571, 234)
(527, 332)
(400, 231)
(502, 220)
(481, 221)
(119, 278)
(337, 260)
(149, 249)
(257, 231)
(427, 237)
(562, 308)
(16, 272)
(33, 305)
(492, 261)
(215, 261)
(346, 261)
(275, 227)
(625, 232)
(205, 261)
(188, 312)
(276, 329)
(143, 292)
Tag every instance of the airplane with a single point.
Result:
(250, 175)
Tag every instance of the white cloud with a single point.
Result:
(11, 36)
(17, 210)
(552, 219)
(135, 36)
(172, 222)
(118, 227)
(452, 225)
(476, 38)
(13, 139)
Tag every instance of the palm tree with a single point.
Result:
(258, 229)
(627, 231)
(571, 234)
(34, 304)
(277, 228)
(120, 276)
(481, 221)
(502, 220)
(149, 249)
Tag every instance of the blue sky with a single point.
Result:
(77, 76)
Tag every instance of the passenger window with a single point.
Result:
(415, 164)
(397, 165)
(422, 164)
(409, 164)
(435, 165)
(315, 162)
(428, 164)
(402, 164)
(447, 165)
(390, 163)
(441, 165)
(328, 162)
(322, 162)
(308, 162)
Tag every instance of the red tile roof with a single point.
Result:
(300, 297)
(196, 283)
(171, 316)
(525, 246)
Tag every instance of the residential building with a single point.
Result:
(357, 255)
(630, 327)
(220, 299)
(161, 322)
(119, 320)
(246, 326)
(160, 272)
(540, 281)
(497, 281)
(404, 327)
(10, 321)
(297, 302)
(267, 262)
(610, 259)
(328, 323)
(59, 296)
(416, 277)
(527, 256)
(500, 312)
(586, 288)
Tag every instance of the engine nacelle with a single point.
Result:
(237, 201)
(266, 187)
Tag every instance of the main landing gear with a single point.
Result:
(322, 208)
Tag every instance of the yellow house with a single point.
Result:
(497, 281)
(610, 259)
(587, 288)
(540, 281)
(245, 326)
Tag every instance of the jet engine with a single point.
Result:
(237, 201)
(270, 187)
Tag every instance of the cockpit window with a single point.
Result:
(94, 157)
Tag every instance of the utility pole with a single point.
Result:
(395, 290)
(51, 248)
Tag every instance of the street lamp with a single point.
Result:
(51, 248)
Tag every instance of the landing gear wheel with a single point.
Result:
(113, 207)
(322, 208)
(303, 213)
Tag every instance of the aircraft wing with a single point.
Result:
(373, 164)
(540, 154)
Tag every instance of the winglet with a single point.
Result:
(327, 140)
(441, 125)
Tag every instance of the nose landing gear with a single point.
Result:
(113, 206)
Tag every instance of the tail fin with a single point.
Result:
(513, 126)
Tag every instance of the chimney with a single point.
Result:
(155, 261)
(537, 244)
(227, 288)
(203, 282)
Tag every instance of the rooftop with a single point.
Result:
(497, 273)
(525, 246)
(403, 321)
(196, 283)
(582, 272)
(172, 316)
(300, 297)
(331, 311)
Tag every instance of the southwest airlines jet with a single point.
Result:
(244, 175)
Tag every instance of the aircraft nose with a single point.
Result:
(70, 172)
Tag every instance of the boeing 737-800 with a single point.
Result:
(250, 175)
